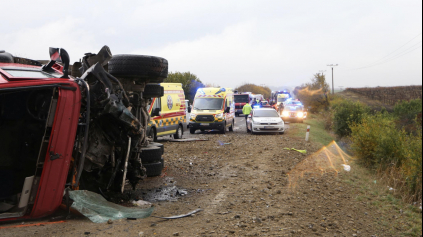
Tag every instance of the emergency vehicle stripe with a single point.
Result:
(168, 121)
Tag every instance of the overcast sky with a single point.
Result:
(227, 43)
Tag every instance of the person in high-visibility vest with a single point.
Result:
(247, 111)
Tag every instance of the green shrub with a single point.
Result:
(379, 144)
(409, 115)
(346, 113)
(408, 109)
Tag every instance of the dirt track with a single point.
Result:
(251, 187)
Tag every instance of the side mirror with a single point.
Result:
(156, 112)
(58, 55)
(228, 110)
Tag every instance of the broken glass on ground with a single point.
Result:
(99, 210)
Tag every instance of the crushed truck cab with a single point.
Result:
(213, 109)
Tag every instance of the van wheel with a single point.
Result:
(153, 91)
(192, 130)
(141, 68)
(223, 131)
(153, 134)
(151, 154)
(179, 133)
(231, 129)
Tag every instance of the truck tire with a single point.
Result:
(158, 145)
(151, 154)
(154, 169)
(153, 91)
(140, 67)
(6, 57)
(179, 132)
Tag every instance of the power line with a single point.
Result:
(392, 58)
(395, 56)
(386, 59)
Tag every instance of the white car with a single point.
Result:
(265, 121)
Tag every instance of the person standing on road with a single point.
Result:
(281, 108)
(247, 111)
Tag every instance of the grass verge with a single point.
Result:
(399, 218)
(317, 131)
(396, 216)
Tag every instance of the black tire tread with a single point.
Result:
(158, 145)
(153, 91)
(151, 154)
(154, 169)
(147, 68)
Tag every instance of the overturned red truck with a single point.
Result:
(83, 128)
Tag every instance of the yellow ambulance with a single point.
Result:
(213, 109)
(168, 113)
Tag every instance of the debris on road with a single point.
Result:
(141, 203)
(293, 149)
(181, 216)
(346, 167)
(99, 210)
(187, 140)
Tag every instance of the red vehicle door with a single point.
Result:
(38, 123)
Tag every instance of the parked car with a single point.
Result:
(79, 132)
(265, 120)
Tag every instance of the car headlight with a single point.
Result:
(300, 115)
(285, 114)
(256, 123)
(193, 116)
(219, 116)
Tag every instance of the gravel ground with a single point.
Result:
(250, 187)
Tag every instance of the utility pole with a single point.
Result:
(333, 84)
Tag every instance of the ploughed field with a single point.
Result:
(247, 186)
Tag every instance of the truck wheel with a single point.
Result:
(179, 133)
(6, 57)
(153, 91)
(192, 130)
(158, 145)
(231, 129)
(154, 169)
(151, 154)
(139, 67)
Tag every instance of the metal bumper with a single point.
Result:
(268, 128)
(207, 126)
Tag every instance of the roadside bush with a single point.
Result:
(346, 113)
(379, 145)
(406, 113)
